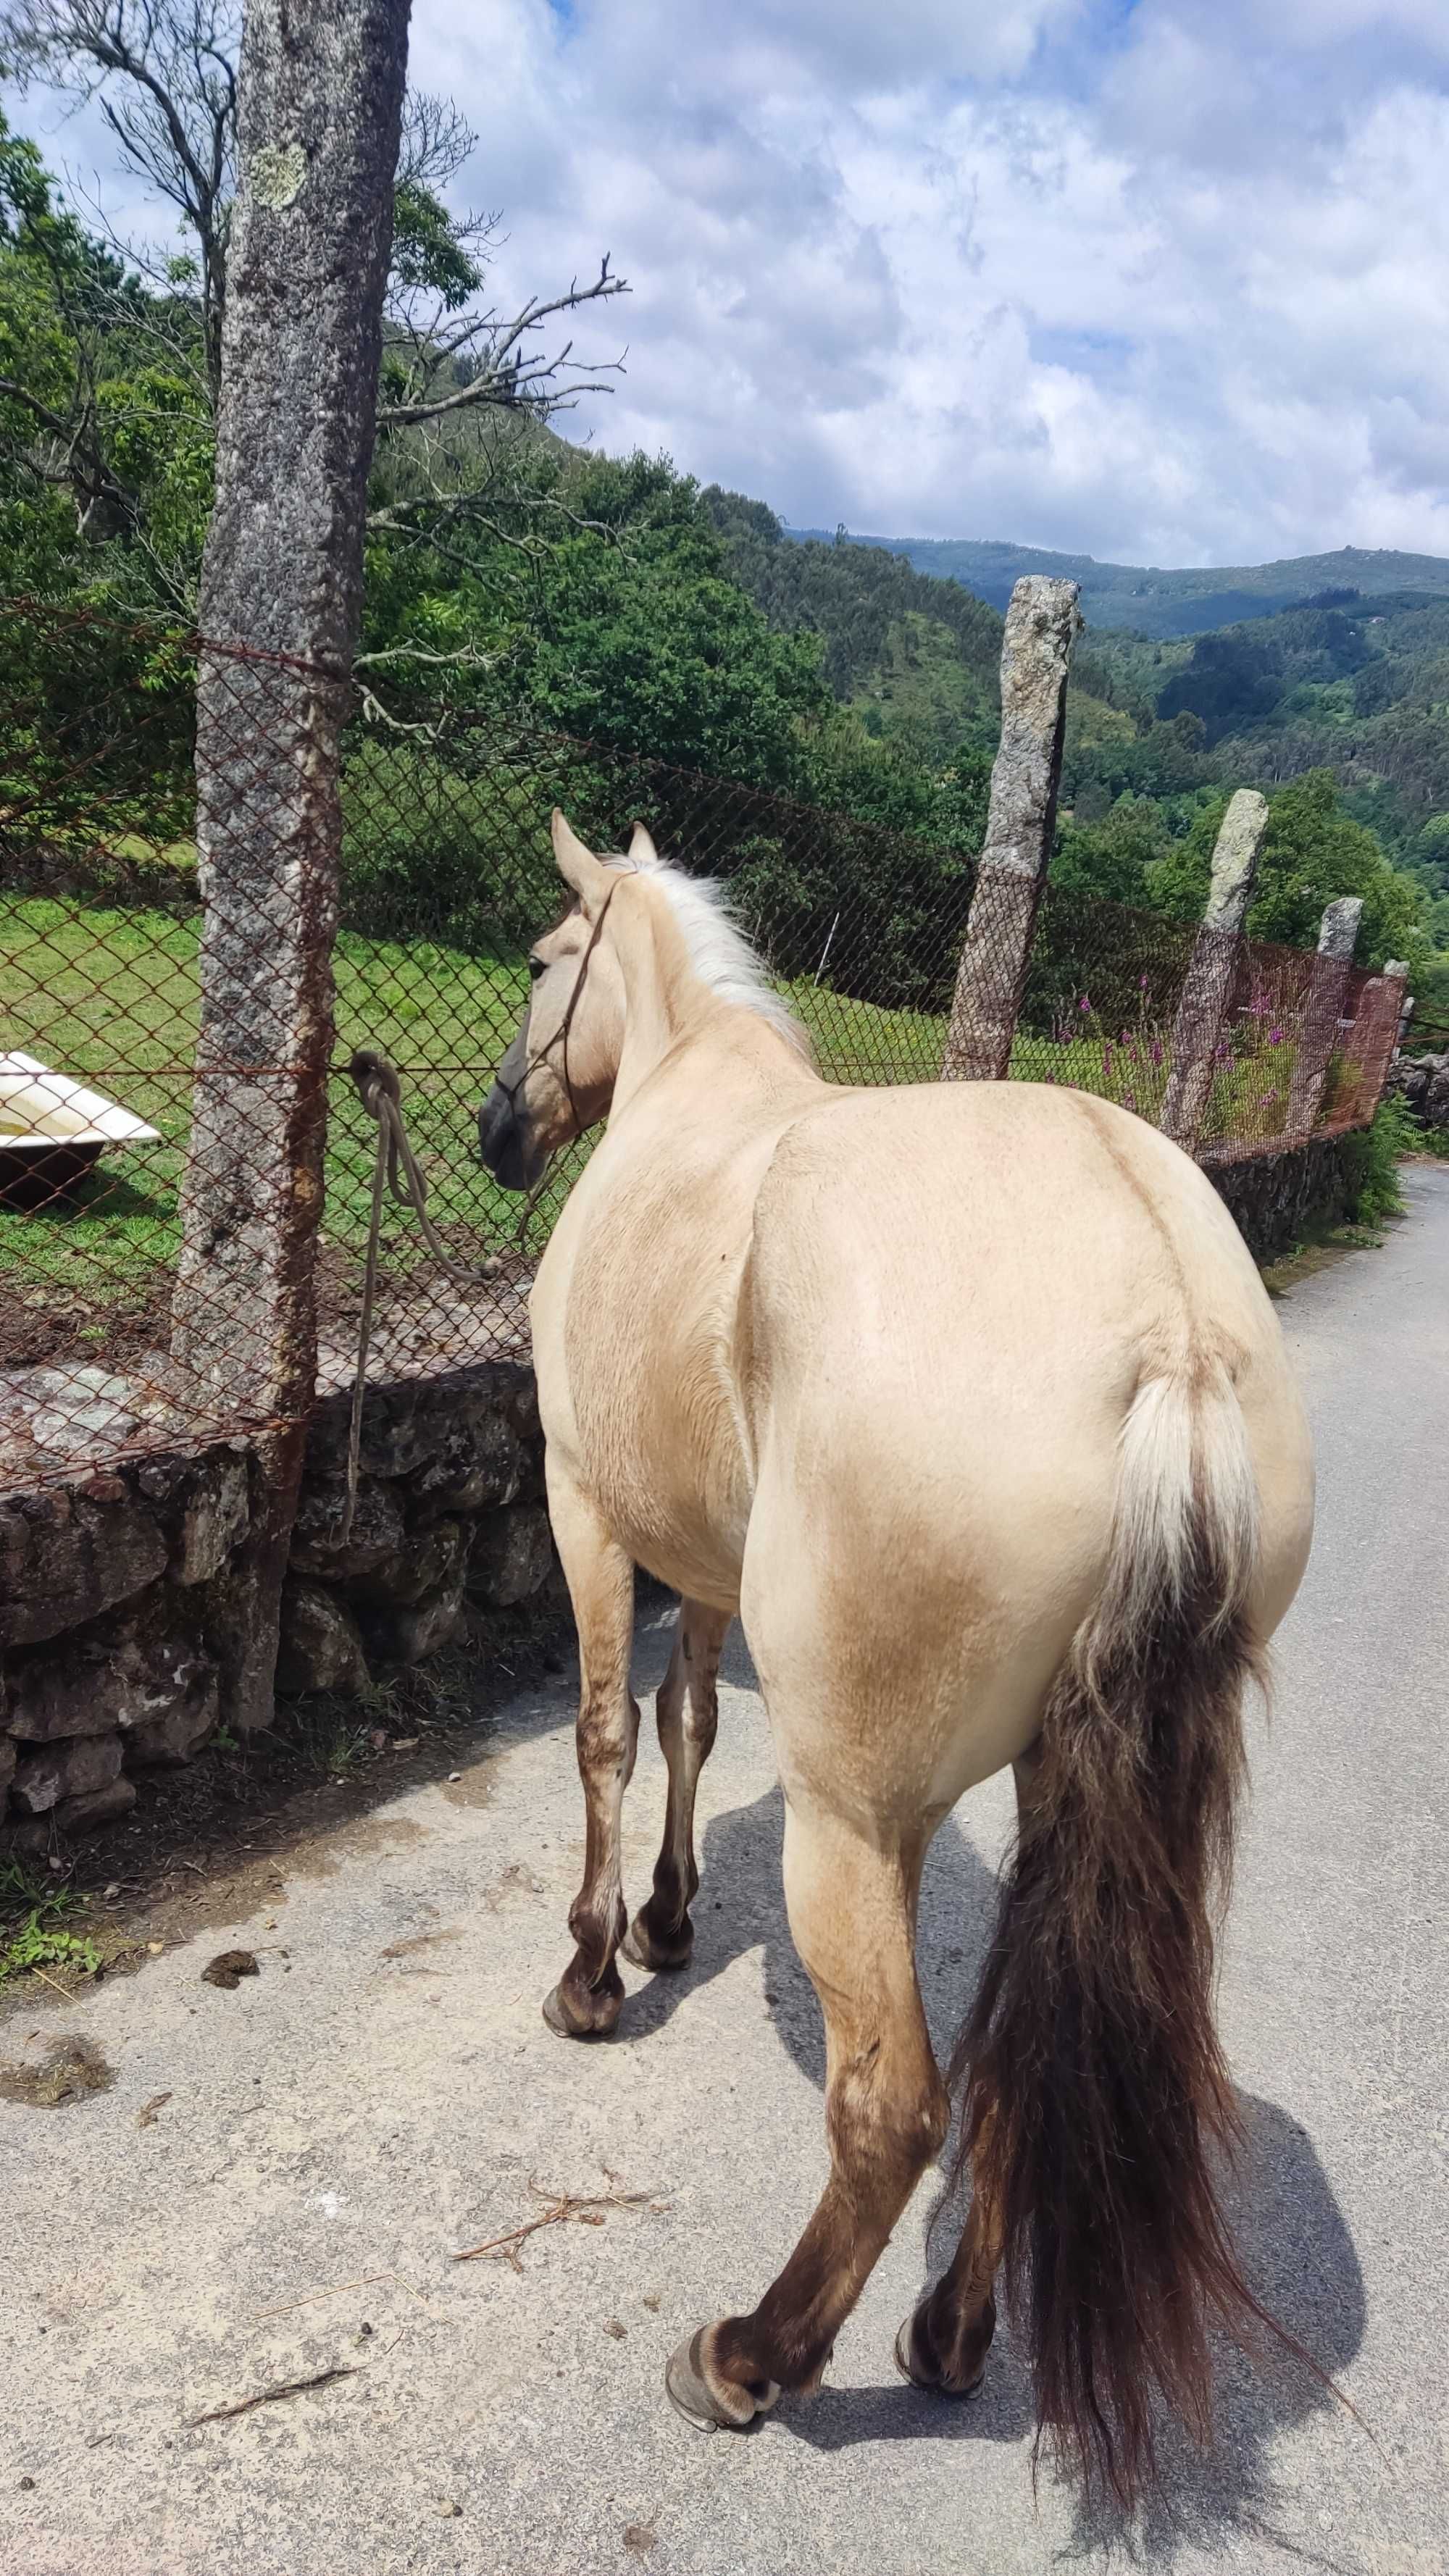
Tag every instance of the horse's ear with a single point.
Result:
(642, 853)
(578, 866)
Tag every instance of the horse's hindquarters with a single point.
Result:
(957, 1297)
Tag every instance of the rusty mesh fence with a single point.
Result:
(446, 878)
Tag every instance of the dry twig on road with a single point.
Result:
(588, 2208)
(270, 2396)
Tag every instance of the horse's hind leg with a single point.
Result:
(587, 1999)
(945, 2344)
(686, 1710)
(851, 1905)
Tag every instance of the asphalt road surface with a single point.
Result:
(385, 2094)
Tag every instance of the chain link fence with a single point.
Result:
(446, 877)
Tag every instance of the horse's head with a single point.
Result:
(558, 1075)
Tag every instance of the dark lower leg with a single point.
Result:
(686, 1711)
(588, 1996)
(945, 2344)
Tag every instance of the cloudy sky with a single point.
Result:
(1165, 280)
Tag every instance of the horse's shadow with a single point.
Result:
(1296, 2251)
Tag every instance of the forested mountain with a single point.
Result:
(1159, 603)
(1357, 686)
(894, 642)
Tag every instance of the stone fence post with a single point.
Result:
(1376, 1027)
(1207, 990)
(1041, 626)
(1337, 936)
(319, 108)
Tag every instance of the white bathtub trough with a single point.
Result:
(52, 1129)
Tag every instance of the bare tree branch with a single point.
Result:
(507, 378)
(163, 73)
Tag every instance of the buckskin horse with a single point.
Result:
(968, 1400)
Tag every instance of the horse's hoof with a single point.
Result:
(923, 2371)
(562, 2013)
(646, 1951)
(710, 2403)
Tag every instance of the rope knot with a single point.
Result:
(376, 1079)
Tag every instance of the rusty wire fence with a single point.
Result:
(446, 878)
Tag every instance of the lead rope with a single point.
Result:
(380, 1091)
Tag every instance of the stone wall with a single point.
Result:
(112, 1588)
(1422, 1083)
(1277, 1199)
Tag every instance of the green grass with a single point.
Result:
(33, 1935)
(859, 1042)
(111, 996)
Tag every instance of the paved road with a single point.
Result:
(383, 2092)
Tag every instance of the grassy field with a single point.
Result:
(111, 996)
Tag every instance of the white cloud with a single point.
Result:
(1168, 281)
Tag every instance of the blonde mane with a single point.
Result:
(719, 952)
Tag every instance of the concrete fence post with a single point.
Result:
(1207, 990)
(1041, 626)
(319, 109)
(1318, 1035)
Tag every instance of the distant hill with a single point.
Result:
(1156, 603)
(1337, 662)
(1361, 688)
(897, 644)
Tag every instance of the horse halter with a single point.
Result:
(511, 1090)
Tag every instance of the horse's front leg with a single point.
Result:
(587, 1999)
(687, 1711)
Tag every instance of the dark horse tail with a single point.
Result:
(1096, 2090)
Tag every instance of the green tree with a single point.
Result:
(1112, 857)
(1312, 852)
(112, 353)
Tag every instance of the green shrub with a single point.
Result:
(1371, 1155)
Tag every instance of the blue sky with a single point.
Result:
(1166, 282)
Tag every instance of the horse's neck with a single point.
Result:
(667, 1003)
(665, 999)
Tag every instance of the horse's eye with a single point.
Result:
(537, 966)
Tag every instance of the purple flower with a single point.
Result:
(1221, 1052)
(1085, 1003)
(1275, 1037)
(1157, 1050)
(1141, 983)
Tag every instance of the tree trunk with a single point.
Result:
(319, 108)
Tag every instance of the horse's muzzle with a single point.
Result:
(504, 1142)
